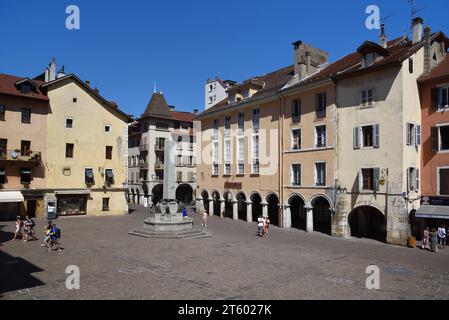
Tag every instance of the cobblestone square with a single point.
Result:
(233, 264)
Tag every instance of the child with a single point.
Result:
(18, 229)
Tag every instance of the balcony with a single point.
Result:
(144, 147)
(143, 165)
(16, 155)
(158, 166)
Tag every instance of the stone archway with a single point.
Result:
(242, 206)
(298, 213)
(205, 197)
(256, 200)
(184, 194)
(157, 193)
(368, 222)
(227, 196)
(217, 205)
(273, 209)
(322, 216)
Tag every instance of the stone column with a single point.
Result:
(211, 207)
(264, 209)
(199, 205)
(150, 200)
(235, 210)
(249, 211)
(287, 216)
(309, 218)
(222, 208)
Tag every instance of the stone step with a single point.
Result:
(188, 234)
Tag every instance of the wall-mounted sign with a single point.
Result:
(233, 185)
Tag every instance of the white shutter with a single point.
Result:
(376, 133)
(357, 138)
(376, 179)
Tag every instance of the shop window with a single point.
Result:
(71, 205)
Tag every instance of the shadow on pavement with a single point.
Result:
(16, 273)
(4, 235)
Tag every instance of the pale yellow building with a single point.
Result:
(87, 140)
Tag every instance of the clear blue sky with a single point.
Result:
(124, 46)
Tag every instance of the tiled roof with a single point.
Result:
(8, 86)
(182, 116)
(441, 70)
(271, 83)
(157, 107)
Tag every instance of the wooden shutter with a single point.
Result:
(435, 93)
(376, 177)
(435, 139)
(376, 138)
(357, 138)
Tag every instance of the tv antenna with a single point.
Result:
(383, 20)
(413, 9)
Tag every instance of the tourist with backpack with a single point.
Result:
(55, 236)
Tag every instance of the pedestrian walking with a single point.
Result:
(260, 224)
(29, 229)
(434, 240)
(55, 239)
(204, 220)
(426, 239)
(18, 232)
(266, 225)
(47, 238)
(442, 237)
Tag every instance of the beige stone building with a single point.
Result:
(23, 138)
(147, 136)
(379, 135)
(87, 138)
(347, 141)
(269, 148)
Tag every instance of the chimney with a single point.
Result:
(417, 29)
(427, 53)
(47, 74)
(307, 59)
(383, 40)
(52, 74)
(97, 90)
(195, 111)
(88, 83)
(61, 73)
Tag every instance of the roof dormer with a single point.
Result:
(26, 86)
(371, 53)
